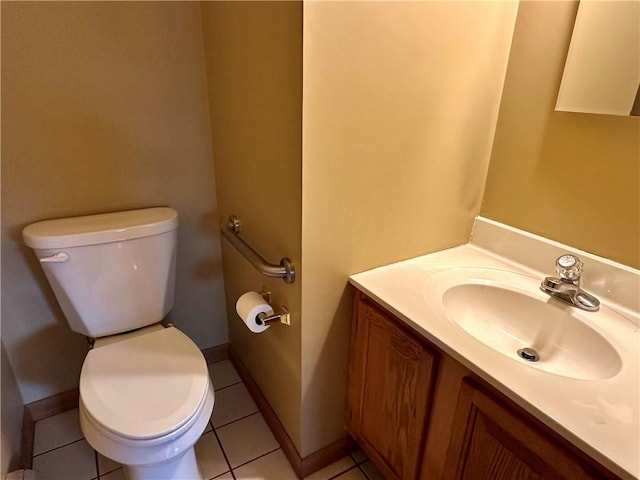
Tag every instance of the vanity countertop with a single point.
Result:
(601, 416)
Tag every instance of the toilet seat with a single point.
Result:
(146, 385)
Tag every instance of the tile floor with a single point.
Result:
(238, 444)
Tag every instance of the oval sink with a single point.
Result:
(507, 312)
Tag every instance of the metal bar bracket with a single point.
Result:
(283, 317)
(285, 270)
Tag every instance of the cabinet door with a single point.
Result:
(490, 441)
(389, 391)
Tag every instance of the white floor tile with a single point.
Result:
(210, 458)
(246, 439)
(223, 374)
(106, 465)
(56, 431)
(273, 466)
(353, 474)
(231, 404)
(332, 470)
(115, 475)
(225, 476)
(76, 461)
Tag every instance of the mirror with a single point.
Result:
(602, 72)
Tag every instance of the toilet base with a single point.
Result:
(182, 467)
(170, 459)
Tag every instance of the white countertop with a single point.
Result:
(599, 416)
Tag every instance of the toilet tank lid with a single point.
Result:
(101, 228)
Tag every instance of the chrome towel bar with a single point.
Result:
(231, 231)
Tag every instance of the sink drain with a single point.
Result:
(529, 354)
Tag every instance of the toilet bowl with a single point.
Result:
(145, 392)
(145, 399)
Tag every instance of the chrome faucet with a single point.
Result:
(566, 286)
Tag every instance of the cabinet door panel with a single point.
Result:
(489, 441)
(393, 392)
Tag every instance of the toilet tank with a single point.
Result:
(111, 272)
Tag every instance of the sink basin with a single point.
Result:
(507, 312)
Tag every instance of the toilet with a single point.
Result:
(145, 391)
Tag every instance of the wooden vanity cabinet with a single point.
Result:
(391, 378)
(420, 414)
(491, 441)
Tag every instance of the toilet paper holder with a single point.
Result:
(283, 317)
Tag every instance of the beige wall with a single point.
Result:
(254, 66)
(104, 107)
(400, 104)
(388, 144)
(571, 177)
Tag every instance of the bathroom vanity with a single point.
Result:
(437, 389)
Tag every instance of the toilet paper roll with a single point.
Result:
(248, 306)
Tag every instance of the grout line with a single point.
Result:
(226, 386)
(58, 447)
(95, 457)
(224, 454)
(236, 420)
(219, 361)
(259, 456)
(343, 472)
(220, 476)
(362, 470)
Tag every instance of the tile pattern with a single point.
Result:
(237, 444)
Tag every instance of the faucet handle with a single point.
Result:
(569, 267)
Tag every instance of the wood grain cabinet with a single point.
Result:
(420, 414)
(391, 375)
(492, 441)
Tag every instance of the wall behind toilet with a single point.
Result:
(104, 107)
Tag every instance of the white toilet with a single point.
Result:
(145, 391)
